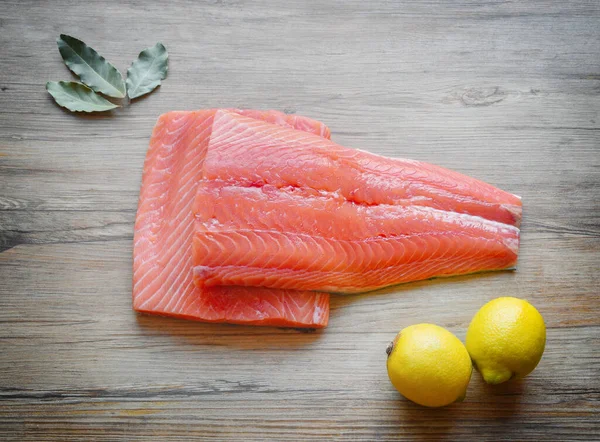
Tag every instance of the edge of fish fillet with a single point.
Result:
(511, 268)
(516, 211)
(320, 317)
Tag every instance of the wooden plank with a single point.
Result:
(508, 92)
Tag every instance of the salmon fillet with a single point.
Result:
(162, 265)
(305, 213)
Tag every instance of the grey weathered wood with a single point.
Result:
(508, 92)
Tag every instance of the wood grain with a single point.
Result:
(508, 92)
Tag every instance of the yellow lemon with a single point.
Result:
(506, 339)
(429, 365)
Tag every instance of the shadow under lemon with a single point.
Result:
(485, 405)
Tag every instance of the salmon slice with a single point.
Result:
(250, 151)
(162, 265)
(304, 239)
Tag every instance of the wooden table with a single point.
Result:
(508, 92)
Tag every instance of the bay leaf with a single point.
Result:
(91, 67)
(147, 71)
(78, 97)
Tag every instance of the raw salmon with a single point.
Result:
(253, 151)
(373, 221)
(305, 239)
(162, 267)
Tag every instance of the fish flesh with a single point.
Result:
(304, 239)
(373, 221)
(251, 151)
(162, 265)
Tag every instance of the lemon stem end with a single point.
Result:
(390, 348)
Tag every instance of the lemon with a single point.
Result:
(506, 339)
(429, 365)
